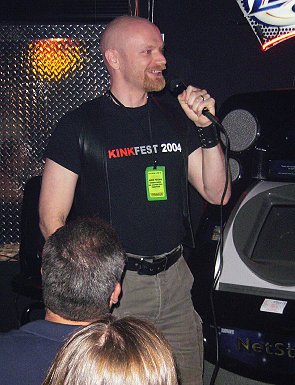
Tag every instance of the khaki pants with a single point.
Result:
(165, 299)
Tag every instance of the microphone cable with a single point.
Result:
(176, 86)
(220, 248)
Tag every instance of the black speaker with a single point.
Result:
(261, 130)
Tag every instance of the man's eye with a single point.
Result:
(147, 51)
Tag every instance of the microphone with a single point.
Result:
(176, 86)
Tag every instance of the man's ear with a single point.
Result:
(115, 294)
(112, 58)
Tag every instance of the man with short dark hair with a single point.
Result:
(82, 264)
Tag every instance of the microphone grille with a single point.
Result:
(175, 86)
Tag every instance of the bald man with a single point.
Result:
(133, 154)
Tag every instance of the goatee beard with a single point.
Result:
(154, 85)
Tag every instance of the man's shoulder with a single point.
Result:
(36, 332)
(76, 118)
(12, 337)
(33, 341)
(90, 106)
(27, 353)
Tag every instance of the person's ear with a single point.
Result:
(115, 294)
(112, 58)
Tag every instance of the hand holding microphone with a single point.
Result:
(196, 102)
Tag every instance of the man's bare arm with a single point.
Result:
(206, 172)
(56, 197)
(206, 166)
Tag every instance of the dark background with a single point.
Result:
(211, 43)
(208, 43)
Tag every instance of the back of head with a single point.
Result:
(81, 265)
(126, 351)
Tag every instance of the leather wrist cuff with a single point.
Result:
(208, 136)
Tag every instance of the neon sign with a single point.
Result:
(273, 21)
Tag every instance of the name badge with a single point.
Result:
(155, 180)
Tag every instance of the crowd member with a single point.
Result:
(127, 156)
(126, 351)
(82, 264)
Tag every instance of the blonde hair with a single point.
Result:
(127, 351)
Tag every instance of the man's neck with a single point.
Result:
(52, 317)
(129, 98)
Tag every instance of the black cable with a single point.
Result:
(220, 246)
(176, 86)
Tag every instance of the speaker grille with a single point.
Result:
(241, 128)
(235, 169)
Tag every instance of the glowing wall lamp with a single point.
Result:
(54, 59)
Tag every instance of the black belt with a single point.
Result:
(155, 266)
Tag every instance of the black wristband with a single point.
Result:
(208, 136)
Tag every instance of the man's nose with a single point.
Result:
(160, 58)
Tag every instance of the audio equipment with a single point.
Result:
(259, 242)
(261, 131)
(255, 291)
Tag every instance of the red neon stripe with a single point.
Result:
(277, 40)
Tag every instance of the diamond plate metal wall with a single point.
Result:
(44, 72)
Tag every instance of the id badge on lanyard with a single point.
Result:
(155, 180)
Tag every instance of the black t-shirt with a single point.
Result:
(133, 144)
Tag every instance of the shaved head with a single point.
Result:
(132, 49)
(118, 31)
